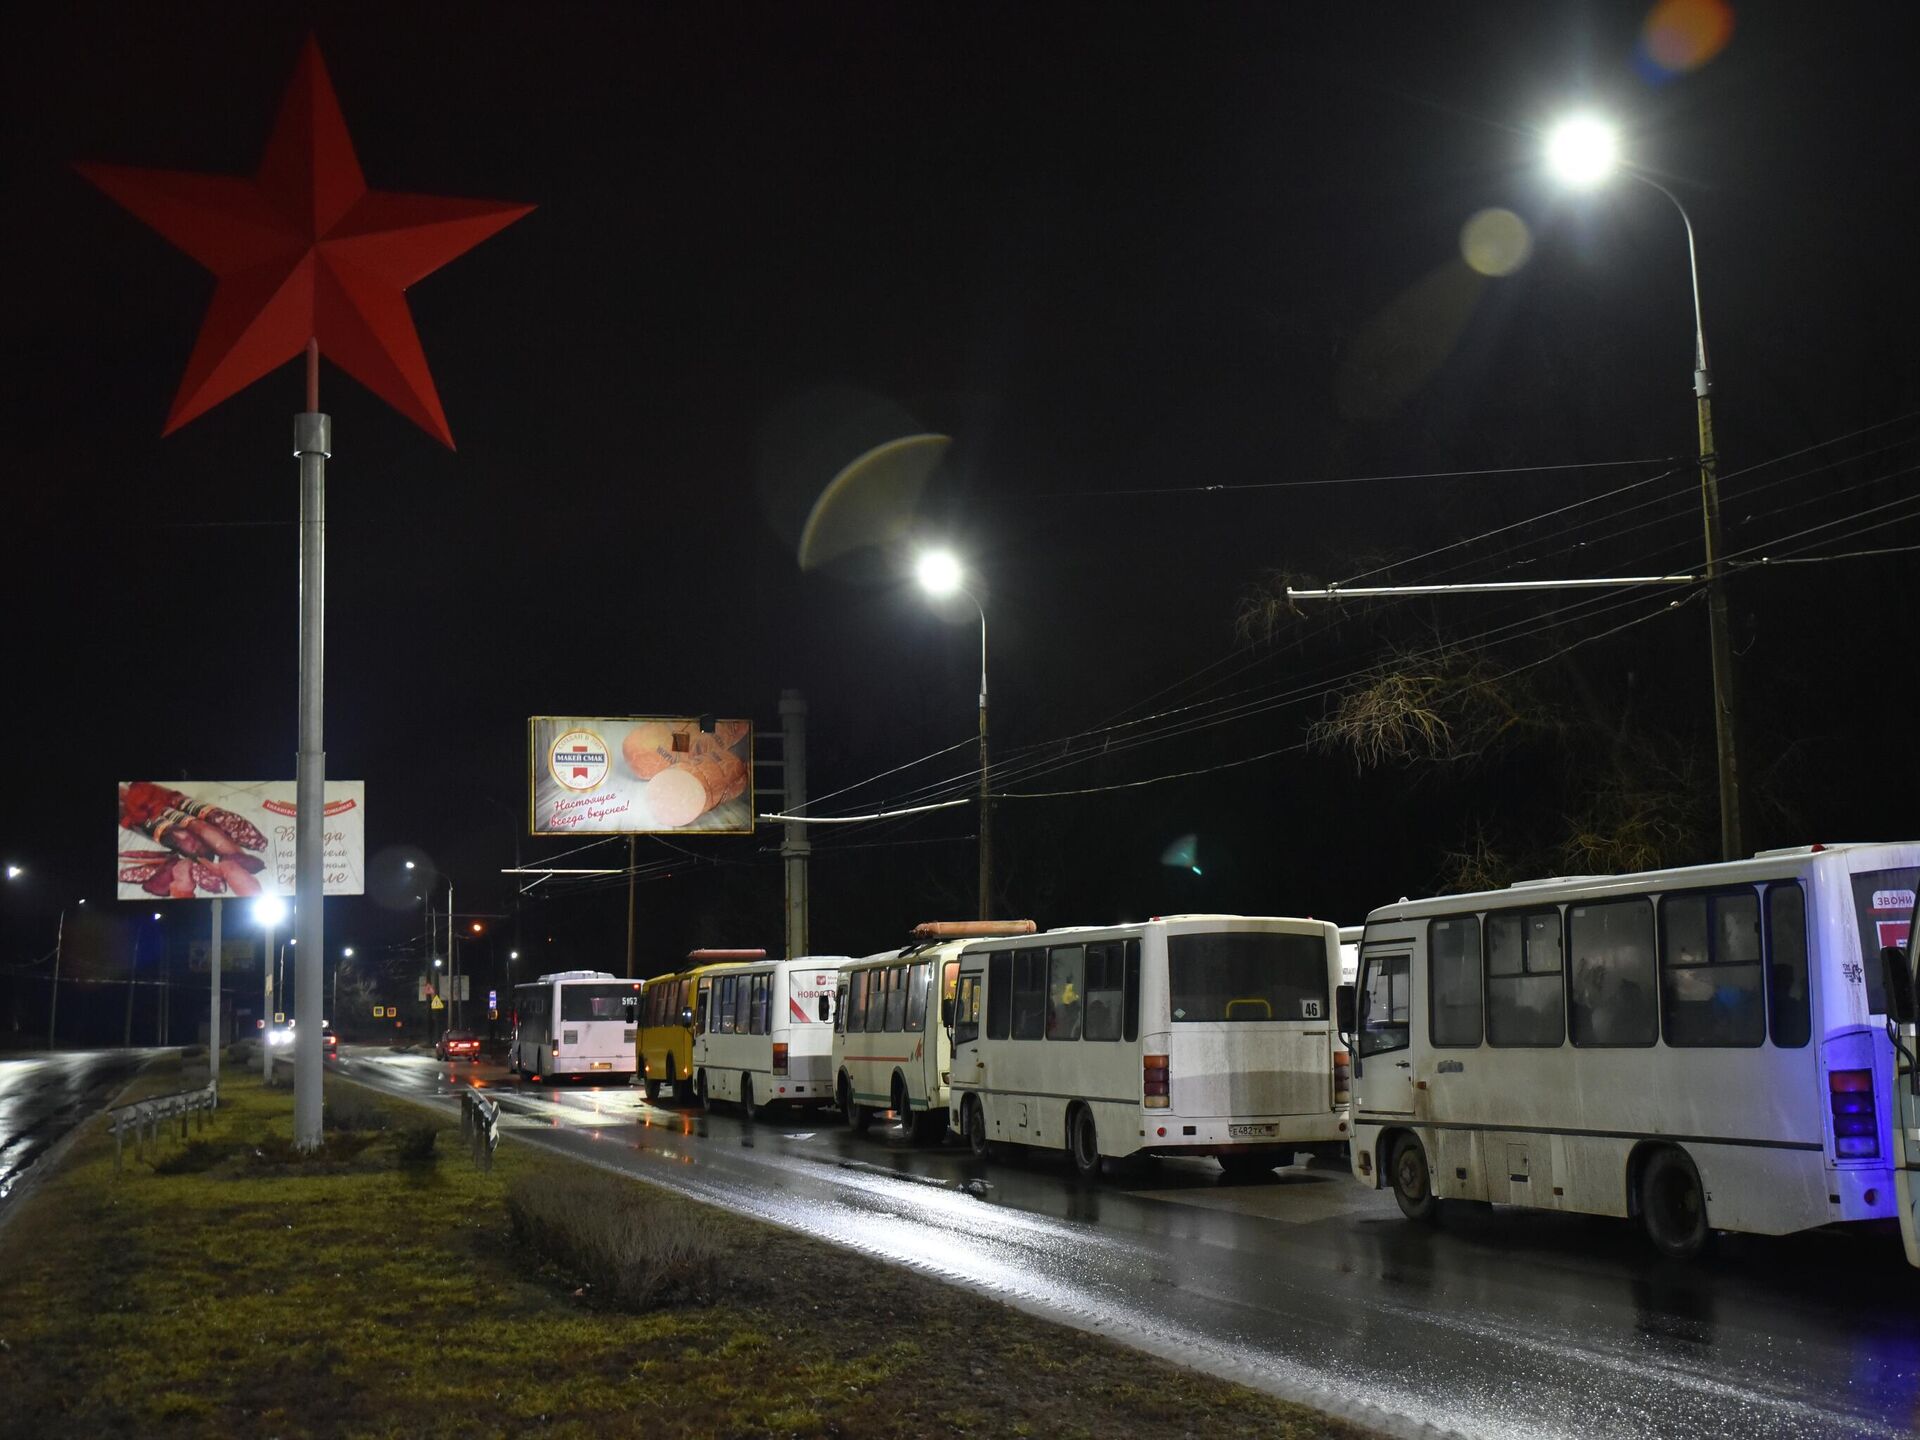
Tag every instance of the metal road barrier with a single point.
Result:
(142, 1118)
(480, 1126)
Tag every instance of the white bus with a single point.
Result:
(763, 1032)
(1702, 1048)
(892, 1045)
(1182, 1035)
(575, 1022)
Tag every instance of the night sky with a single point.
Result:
(1109, 250)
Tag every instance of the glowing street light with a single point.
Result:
(940, 575)
(268, 911)
(1582, 151)
(14, 872)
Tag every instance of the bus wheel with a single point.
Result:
(1672, 1207)
(700, 1091)
(973, 1122)
(652, 1087)
(1412, 1182)
(1083, 1143)
(747, 1107)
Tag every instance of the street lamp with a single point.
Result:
(14, 872)
(1583, 151)
(940, 575)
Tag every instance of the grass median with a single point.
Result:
(228, 1285)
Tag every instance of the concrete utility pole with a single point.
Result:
(631, 877)
(53, 1004)
(795, 848)
(312, 441)
(213, 1013)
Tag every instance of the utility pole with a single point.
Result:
(631, 879)
(53, 1005)
(213, 1012)
(795, 848)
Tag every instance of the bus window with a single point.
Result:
(1066, 991)
(742, 1003)
(1383, 1000)
(896, 997)
(723, 1005)
(1106, 982)
(966, 1011)
(1710, 969)
(757, 1006)
(1453, 963)
(1524, 1005)
(999, 994)
(917, 997)
(854, 1011)
(1612, 973)
(1787, 950)
(1254, 975)
(700, 1009)
(1029, 994)
(1132, 1004)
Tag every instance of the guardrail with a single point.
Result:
(143, 1118)
(480, 1126)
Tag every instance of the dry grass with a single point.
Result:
(625, 1251)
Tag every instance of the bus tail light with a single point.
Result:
(1856, 1122)
(1154, 1081)
(1342, 1078)
(779, 1058)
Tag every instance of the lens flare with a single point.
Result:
(1495, 242)
(1682, 35)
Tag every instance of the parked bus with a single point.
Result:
(1182, 1035)
(763, 1032)
(1702, 1048)
(664, 1048)
(574, 1022)
(892, 1046)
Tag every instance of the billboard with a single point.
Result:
(200, 840)
(639, 775)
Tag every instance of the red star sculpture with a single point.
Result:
(305, 251)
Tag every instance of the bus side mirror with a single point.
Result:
(946, 1012)
(1898, 980)
(686, 1018)
(825, 1013)
(1343, 1008)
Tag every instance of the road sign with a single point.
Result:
(279, 1017)
(438, 1003)
(493, 1014)
(493, 1000)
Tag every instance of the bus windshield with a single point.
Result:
(1246, 975)
(597, 1002)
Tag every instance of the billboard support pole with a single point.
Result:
(312, 442)
(795, 848)
(213, 1014)
(630, 884)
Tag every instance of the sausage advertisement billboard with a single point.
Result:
(639, 775)
(202, 840)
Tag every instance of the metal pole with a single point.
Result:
(630, 885)
(453, 981)
(1732, 843)
(53, 1005)
(795, 848)
(312, 443)
(986, 802)
(266, 1005)
(213, 1012)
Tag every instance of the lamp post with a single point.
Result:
(940, 575)
(1583, 151)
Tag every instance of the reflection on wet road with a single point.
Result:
(1499, 1323)
(42, 1096)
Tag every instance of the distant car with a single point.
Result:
(330, 1042)
(457, 1045)
(280, 1036)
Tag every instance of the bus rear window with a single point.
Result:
(1882, 903)
(1246, 975)
(598, 1002)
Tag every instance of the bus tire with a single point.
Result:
(700, 1091)
(902, 1102)
(973, 1125)
(747, 1107)
(1083, 1142)
(1412, 1180)
(652, 1087)
(859, 1117)
(1673, 1206)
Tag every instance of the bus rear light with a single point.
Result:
(1856, 1121)
(779, 1058)
(1155, 1081)
(1342, 1078)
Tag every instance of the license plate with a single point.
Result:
(1251, 1132)
(603, 1064)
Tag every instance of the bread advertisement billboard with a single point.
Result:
(639, 775)
(216, 839)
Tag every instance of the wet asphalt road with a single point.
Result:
(42, 1096)
(1499, 1323)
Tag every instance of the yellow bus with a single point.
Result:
(664, 1045)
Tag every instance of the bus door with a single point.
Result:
(1897, 971)
(962, 1015)
(1383, 1067)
